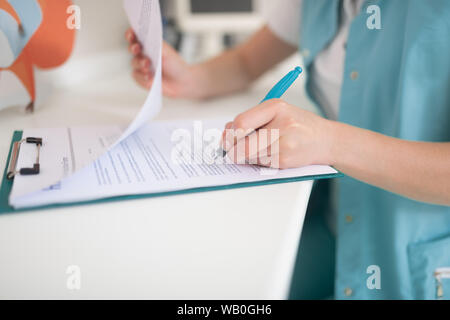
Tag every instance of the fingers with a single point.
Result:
(229, 125)
(134, 46)
(269, 157)
(142, 72)
(141, 63)
(257, 117)
(130, 36)
(244, 149)
(260, 147)
(143, 79)
(243, 142)
(225, 132)
(251, 152)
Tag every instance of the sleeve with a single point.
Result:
(283, 19)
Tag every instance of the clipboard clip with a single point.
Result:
(15, 155)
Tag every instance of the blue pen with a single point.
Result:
(276, 92)
(281, 87)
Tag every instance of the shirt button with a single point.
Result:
(305, 53)
(348, 292)
(348, 219)
(354, 75)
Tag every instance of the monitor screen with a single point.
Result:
(221, 6)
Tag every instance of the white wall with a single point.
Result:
(100, 47)
(103, 23)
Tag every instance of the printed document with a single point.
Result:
(67, 150)
(81, 164)
(151, 160)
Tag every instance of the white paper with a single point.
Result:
(64, 151)
(145, 19)
(82, 164)
(63, 154)
(144, 163)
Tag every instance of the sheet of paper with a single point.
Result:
(145, 19)
(81, 164)
(63, 152)
(149, 161)
(68, 150)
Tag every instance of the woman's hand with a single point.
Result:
(178, 78)
(229, 72)
(286, 136)
(417, 170)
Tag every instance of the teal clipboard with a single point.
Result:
(7, 185)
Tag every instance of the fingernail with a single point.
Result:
(229, 142)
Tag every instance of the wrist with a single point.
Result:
(335, 132)
(198, 82)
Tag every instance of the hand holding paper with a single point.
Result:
(67, 150)
(87, 164)
(178, 77)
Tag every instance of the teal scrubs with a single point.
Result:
(396, 82)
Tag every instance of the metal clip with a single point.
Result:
(15, 155)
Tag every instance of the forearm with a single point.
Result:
(221, 75)
(236, 69)
(417, 170)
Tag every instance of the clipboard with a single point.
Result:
(6, 186)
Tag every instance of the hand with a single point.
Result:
(178, 79)
(286, 137)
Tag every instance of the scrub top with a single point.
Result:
(396, 82)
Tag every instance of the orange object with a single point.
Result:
(5, 5)
(49, 47)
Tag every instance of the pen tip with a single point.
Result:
(220, 153)
(298, 69)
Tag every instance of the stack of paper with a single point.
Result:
(83, 164)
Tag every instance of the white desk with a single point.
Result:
(225, 244)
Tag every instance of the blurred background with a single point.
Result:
(198, 29)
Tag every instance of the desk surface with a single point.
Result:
(238, 244)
